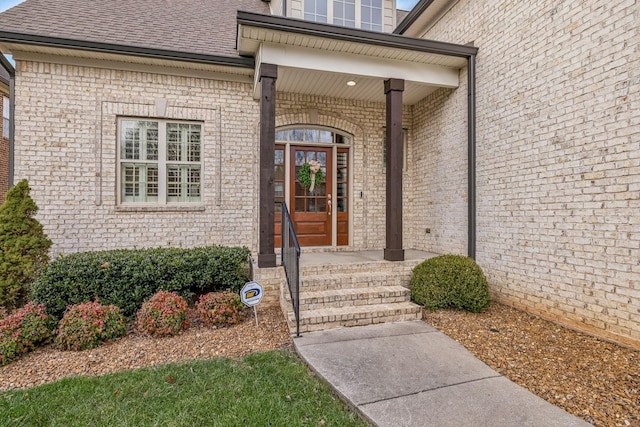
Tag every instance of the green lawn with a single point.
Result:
(262, 389)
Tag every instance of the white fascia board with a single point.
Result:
(357, 65)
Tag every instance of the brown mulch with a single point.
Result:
(593, 379)
(136, 350)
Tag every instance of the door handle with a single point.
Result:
(329, 204)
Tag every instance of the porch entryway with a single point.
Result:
(320, 211)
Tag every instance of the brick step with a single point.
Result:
(352, 297)
(337, 317)
(403, 267)
(323, 282)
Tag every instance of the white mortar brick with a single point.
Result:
(558, 126)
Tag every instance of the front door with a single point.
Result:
(311, 210)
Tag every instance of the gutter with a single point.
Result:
(4, 62)
(55, 42)
(309, 28)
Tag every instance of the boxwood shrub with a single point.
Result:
(126, 278)
(450, 281)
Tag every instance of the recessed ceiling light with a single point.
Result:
(351, 83)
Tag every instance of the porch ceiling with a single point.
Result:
(311, 64)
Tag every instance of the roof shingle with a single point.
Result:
(195, 26)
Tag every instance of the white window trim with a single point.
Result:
(358, 6)
(6, 116)
(161, 162)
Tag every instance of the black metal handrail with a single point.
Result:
(291, 261)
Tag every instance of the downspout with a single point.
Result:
(12, 123)
(471, 153)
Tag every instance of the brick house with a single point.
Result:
(506, 133)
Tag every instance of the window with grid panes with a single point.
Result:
(160, 162)
(371, 15)
(6, 116)
(365, 14)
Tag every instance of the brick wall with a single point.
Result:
(440, 172)
(558, 128)
(67, 151)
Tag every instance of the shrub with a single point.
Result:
(88, 325)
(163, 314)
(220, 308)
(127, 278)
(450, 281)
(24, 248)
(23, 330)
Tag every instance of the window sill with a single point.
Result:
(156, 208)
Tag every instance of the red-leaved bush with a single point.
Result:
(220, 308)
(23, 330)
(164, 314)
(88, 325)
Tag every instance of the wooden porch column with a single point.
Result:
(393, 89)
(268, 76)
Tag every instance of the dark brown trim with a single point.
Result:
(393, 251)
(268, 76)
(36, 40)
(299, 26)
(471, 155)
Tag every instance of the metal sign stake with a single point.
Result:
(251, 295)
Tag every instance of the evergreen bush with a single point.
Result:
(24, 248)
(126, 278)
(220, 308)
(450, 281)
(164, 314)
(88, 325)
(23, 330)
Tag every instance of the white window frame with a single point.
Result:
(163, 165)
(358, 14)
(6, 116)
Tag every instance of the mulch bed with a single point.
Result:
(590, 378)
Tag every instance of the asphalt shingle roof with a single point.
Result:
(195, 26)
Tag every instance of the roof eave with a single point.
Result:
(4, 63)
(45, 41)
(413, 15)
(299, 26)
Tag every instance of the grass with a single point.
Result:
(262, 389)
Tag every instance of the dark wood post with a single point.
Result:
(268, 76)
(393, 89)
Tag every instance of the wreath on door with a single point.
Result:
(310, 174)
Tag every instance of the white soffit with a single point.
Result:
(360, 65)
(314, 66)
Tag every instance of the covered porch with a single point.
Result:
(305, 60)
(359, 87)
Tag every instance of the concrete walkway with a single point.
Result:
(410, 374)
